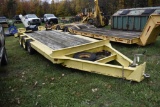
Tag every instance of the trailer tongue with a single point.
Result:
(83, 53)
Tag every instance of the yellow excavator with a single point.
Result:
(99, 17)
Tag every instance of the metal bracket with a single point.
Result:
(136, 59)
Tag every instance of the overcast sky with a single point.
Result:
(49, 1)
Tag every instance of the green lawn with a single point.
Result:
(33, 81)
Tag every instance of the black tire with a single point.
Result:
(90, 21)
(85, 56)
(29, 48)
(97, 23)
(4, 60)
(106, 21)
(65, 29)
(103, 54)
(58, 27)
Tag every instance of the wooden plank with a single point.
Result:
(57, 40)
(114, 33)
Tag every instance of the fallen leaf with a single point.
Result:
(39, 96)
(109, 86)
(95, 89)
(52, 78)
(23, 73)
(18, 101)
(36, 103)
(12, 90)
(35, 83)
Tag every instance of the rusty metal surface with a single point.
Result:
(57, 40)
(114, 33)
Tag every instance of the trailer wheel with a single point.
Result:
(58, 27)
(29, 48)
(85, 56)
(23, 43)
(4, 58)
(103, 54)
(65, 29)
(90, 21)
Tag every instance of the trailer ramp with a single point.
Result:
(60, 48)
(150, 31)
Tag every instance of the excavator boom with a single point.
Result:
(99, 18)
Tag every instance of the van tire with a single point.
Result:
(4, 58)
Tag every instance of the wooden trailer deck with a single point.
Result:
(112, 33)
(127, 37)
(58, 40)
(147, 36)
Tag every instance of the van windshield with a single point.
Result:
(50, 15)
(32, 16)
(2, 17)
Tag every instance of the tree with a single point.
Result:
(46, 7)
(11, 7)
(19, 7)
(67, 7)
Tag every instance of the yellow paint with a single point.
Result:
(101, 66)
(148, 35)
(150, 31)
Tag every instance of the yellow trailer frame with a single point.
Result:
(64, 56)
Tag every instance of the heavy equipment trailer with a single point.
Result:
(83, 53)
(147, 36)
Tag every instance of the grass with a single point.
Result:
(33, 81)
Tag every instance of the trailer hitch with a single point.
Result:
(136, 59)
